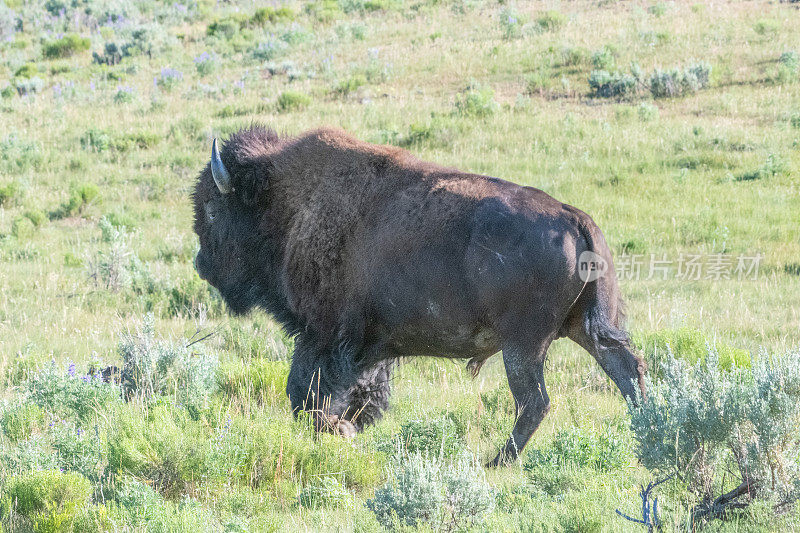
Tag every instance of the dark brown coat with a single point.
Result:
(368, 254)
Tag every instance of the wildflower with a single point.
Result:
(169, 72)
(71, 370)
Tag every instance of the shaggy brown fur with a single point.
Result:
(368, 254)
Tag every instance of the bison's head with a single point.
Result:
(226, 220)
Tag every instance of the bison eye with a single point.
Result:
(211, 212)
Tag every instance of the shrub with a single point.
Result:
(476, 101)
(79, 450)
(271, 15)
(440, 437)
(678, 82)
(575, 455)
(18, 155)
(8, 22)
(539, 82)
(324, 10)
(124, 95)
(95, 140)
(169, 78)
(81, 196)
(422, 491)
(269, 50)
(773, 166)
(161, 444)
(790, 60)
(32, 453)
(67, 46)
(144, 508)
(296, 34)
(705, 424)
(794, 121)
(47, 500)
(327, 492)
(22, 227)
(788, 67)
(659, 9)
(112, 268)
(293, 101)
(156, 367)
(69, 394)
(647, 112)
(148, 39)
(349, 85)
(141, 139)
(550, 21)
(766, 26)
(510, 24)
(206, 63)
(19, 421)
(30, 86)
(350, 6)
(227, 27)
(9, 193)
(376, 70)
(112, 55)
(604, 451)
(573, 56)
(433, 133)
(36, 216)
(604, 58)
(27, 71)
(610, 85)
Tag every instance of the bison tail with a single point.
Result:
(599, 307)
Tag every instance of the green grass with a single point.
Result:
(490, 88)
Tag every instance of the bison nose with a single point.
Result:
(199, 265)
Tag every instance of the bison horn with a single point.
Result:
(218, 170)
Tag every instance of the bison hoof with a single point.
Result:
(340, 426)
(503, 459)
(346, 429)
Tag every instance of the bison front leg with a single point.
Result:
(319, 386)
(525, 373)
(369, 397)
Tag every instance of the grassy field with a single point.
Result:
(106, 117)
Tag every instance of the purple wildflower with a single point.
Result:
(171, 73)
(71, 370)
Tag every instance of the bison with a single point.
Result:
(367, 254)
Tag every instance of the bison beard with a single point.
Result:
(367, 255)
